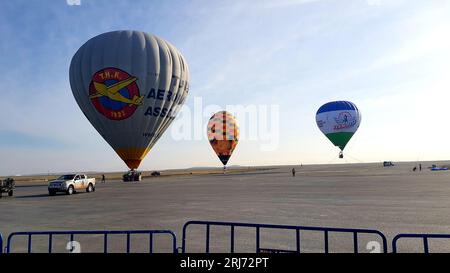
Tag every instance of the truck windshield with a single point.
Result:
(66, 177)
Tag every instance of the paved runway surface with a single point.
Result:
(393, 200)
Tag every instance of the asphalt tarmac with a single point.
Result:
(368, 196)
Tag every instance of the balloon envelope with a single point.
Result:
(338, 120)
(130, 85)
(223, 135)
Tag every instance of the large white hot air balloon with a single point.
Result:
(130, 85)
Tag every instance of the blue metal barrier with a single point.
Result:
(424, 238)
(105, 234)
(232, 225)
(1, 243)
(258, 227)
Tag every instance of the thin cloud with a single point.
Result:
(287, 3)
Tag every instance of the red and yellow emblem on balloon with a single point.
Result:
(114, 93)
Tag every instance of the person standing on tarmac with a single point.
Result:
(293, 172)
(103, 178)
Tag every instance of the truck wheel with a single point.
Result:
(70, 190)
(10, 193)
(51, 193)
(90, 188)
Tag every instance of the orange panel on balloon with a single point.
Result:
(132, 156)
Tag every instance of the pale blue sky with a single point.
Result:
(391, 58)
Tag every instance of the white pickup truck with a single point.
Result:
(70, 183)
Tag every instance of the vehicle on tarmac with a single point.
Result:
(71, 183)
(7, 186)
(155, 173)
(388, 164)
(132, 176)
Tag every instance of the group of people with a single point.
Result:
(414, 169)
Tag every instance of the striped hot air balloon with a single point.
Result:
(338, 120)
(130, 85)
(223, 135)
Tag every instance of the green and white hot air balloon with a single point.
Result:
(338, 120)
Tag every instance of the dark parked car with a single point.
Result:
(388, 164)
(7, 186)
(155, 173)
(132, 176)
